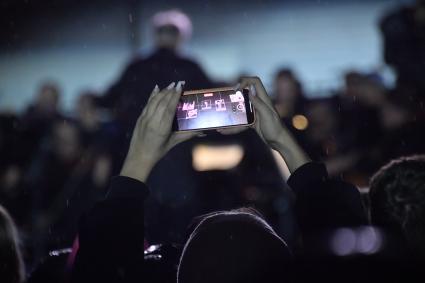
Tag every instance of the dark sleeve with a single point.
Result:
(111, 236)
(323, 204)
(119, 88)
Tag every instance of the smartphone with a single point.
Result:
(213, 109)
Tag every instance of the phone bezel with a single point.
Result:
(250, 112)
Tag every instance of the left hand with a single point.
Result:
(152, 136)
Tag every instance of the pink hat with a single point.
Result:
(175, 18)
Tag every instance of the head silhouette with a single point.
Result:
(397, 200)
(11, 264)
(233, 246)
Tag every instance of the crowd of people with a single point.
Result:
(56, 170)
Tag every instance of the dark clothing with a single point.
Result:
(404, 45)
(186, 193)
(130, 94)
(323, 205)
(111, 235)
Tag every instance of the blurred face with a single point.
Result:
(286, 89)
(66, 141)
(352, 84)
(322, 122)
(167, 37)
(393, 116)
(371, 94)
(47, 99)
(87, 113)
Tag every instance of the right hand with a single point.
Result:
(268, 124)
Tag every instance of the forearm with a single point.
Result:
(136, 169)
(291, 152)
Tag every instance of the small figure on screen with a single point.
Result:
(191, 114)
(237, 97)
(188, 106)
(206, 104)
(220, 105)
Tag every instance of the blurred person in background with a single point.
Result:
(171, 28)
(322, 129)
(325, 136)
(402, 130)
(88, 117)
(289, 101)
(403, 32)
(124, 99)
(12, 165)
(64, 180)
(359, 108)
(52, 169)
(41, 114)
(397, 204)
(12, 269)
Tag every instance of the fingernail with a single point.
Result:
(179, 86)
(252, 90)
(170, 86)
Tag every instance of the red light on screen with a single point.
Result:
(208, 94)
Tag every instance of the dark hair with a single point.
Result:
(11, 264)
(233, 246)
(397, 199)
(289, 74)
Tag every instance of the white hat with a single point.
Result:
(175, 18)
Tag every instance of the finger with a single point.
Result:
(233, 130)
(154, 92)
(261, 108)
(167, 115)
(180, 137)
(175, 97)
(259, 89)
(257, 123)
(159, 99)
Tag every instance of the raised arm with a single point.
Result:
(321, 203)
(111, 236)
(270, 128)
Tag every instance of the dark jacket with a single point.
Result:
(111, 235)
(130, 93)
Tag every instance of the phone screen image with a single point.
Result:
(213, 109)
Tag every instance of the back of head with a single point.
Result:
(397, 200)
(11, 265)
(233, 246)
(48, 98)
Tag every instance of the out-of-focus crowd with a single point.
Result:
(55, 166)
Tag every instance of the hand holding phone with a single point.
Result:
(152, 135)
(217, 108)
(270, 128)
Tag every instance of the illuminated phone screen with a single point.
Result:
(213, 110)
